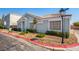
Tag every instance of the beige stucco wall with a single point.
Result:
(45, 25)
(66, 25)
(42, 26)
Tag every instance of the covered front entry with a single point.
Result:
(31, 25)
(23, 26)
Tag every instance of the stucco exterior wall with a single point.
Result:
(66, 25)
(45, 25)
(42, 26)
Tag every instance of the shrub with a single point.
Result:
(16, 29)
(66, 34)
(1, 26)
(34, 39)
(22, 33)
(31, 30)
(76, 24)
(41, 35)
(27, 31)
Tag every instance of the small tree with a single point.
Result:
(34, 23)
(76, 24)
(1, 24)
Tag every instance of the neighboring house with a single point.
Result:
(10, 20)
(75, 27)
(51, 22)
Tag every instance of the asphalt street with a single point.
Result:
(8, 43)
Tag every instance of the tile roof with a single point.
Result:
(44, 17)
(54, 15)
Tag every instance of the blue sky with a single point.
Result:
(41, 12)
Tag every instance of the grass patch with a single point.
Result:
(65, 35)
(31, 30)
(22, 33)
(41, 35)
(27, 32)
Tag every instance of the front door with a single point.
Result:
(23, 26)
(31, 25)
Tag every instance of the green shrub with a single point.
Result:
(76, 24)
(1, 26)
(27, 31)
(41, 35)
(22, 33)
(66, 34)
(31, 30)
(16, 29)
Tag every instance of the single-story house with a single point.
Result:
(75, 27)
(51, 22)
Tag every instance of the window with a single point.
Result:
(55, 25)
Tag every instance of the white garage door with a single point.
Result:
(41, 28)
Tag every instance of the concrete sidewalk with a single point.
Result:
(72, 49)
